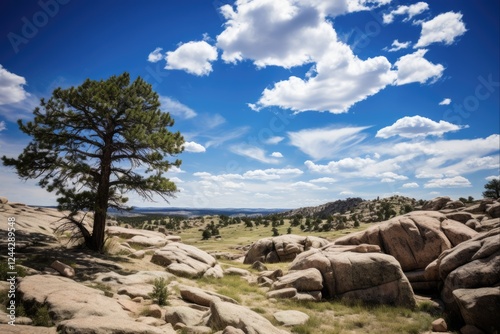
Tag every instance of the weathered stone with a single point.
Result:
(373, 277)
(232, 330)
(282, 248)
(282, 293)
(437, 203)
(302, 280)
(472, 265)
(460, 216)
(479, 307)
(136, 290)
(439, 325)
(259, 266)
(63, 269)
(414, 239)
(272, 274)
(494, 210)
(236, 271)
(22, 329)
(67, 299)
(184, 314)
(105, 325)
(202, 297)
(454, 205)
(225, 314)
(197, 330)
(291, 318)
(138, 254)
(184, 260)
(151, 321)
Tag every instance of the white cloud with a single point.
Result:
(176, 108)
(11, 87)
(343, 165)
(156, 55)
(445, 102)
(274, 140)
(192, 57)
(391, 177)
(290, 33)
(492, 177)
(325, 142)
(277, 155)
(484, 162)
(410, 185)
(397, 45)
(452, 182)
(417, 126)
(410, 11)
(307, 185)
(444, 28)
(193, 147)
(253, 152)
(2, 126)
(323, 180)
(415, 68)
(346, 193)
(175, 179)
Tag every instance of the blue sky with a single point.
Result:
(282, 103)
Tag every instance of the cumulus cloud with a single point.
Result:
(445, 102)
(272, 173)
(323, 180)
(410, 185)
(397, 45)
(176, 108)
(415, 68)
(417, 126)
(451, 182)
(11, 87)
(492, 177)
(325, 142)
(409, 11)
(307, 185)
(156, 55)
(289, 33)
(2, 126)
(193, 147)
(277, 155)
(444, 28)
(192, 57)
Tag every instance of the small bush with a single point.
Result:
(160, 292)
(42, 317)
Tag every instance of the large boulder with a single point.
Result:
(282, 248)
(139, 237)
(414, 239)
(480, 307)
(76, 308)
(225, 314)
(186, 261)
(302, 280)
(472, 265)
(437, 203)
(370, 277)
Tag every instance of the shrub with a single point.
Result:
(160, 292)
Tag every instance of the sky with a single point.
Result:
(282, 103)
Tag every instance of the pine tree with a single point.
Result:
(492, 188)
(88, 142)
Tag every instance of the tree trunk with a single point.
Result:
(101, 207)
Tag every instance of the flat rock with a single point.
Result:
(184, 314)
(106, 325)
(22, 329)
(202, 297)
(184, 260)
(303, 280)
(291, 318)
(225, 314)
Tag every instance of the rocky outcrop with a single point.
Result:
(139, 237)
(281, 249)
(371, 277)
(436, 204)
(76, 308)
(471, 276)
(223, 314)
(187, 261)
(414, 239)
